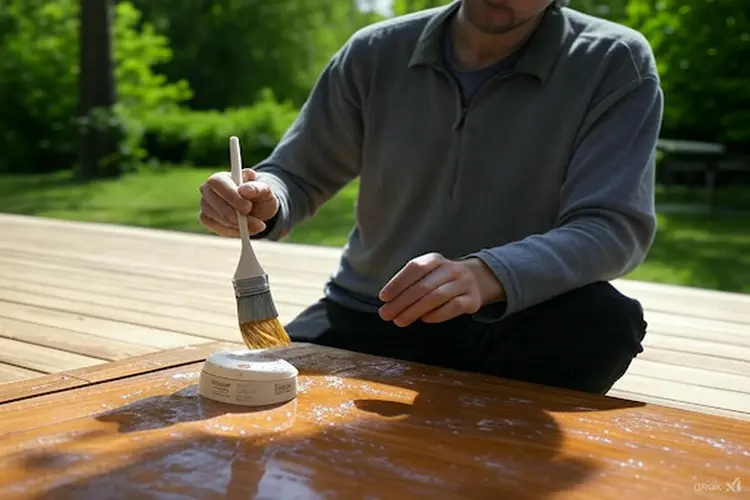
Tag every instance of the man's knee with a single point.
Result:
(583, 340)
(601, 313)
(614, 314)
(611, 326)
(311, 325)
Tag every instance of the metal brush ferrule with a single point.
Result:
(247, 287)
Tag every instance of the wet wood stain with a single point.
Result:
(363, 427)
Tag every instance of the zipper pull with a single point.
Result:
(461, 118)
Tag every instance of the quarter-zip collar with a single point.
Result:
(540, 54)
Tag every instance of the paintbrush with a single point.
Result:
(256, 310)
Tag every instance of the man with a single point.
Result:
(505, 151)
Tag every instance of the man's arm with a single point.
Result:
(605, 227)
(320, 153)
(607, 218)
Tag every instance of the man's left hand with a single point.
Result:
(434, 289)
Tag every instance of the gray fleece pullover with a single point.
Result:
(546, 174)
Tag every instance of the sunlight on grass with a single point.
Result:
(697, 251)
(167, 199)
(331, 225)
(690, 249)
(164, 199)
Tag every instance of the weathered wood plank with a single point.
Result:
(105, 328)
(111, 297)
(142, 317)
(689, 302)
(695, 360)
(178, 292)
(87, 375)
(697, 377)
(220, 254)
(682, 405)
(305, 278)
(68, 340)
(11, 373)
(715, 330)
(161, 285)
(216, 304)
(42, 359)
(698, 346)
(710, 397)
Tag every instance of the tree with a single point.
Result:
(96, 88)
(229, 50)
(702, 50)
(39, 83)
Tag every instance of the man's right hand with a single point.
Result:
(221, 198)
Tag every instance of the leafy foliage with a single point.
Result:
(39, 75)
(702, 49)
(138, 48)
(191, 72)
(231, 49)
(37, 83)
(201, 137)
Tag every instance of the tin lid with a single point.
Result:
(249, 366)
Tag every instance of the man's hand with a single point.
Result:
(435, 289)
(221, 199)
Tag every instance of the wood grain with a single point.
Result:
(94, 325)
(362, 427)
(11, 373)
(77, 288)
(69, 340)
(45, 384)
(43, 359)
(151, 362)
(103, 372)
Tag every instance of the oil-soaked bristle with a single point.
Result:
(264, 334)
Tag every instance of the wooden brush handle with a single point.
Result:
(235, 159)
(249, 265)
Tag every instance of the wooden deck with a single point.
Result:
(74, 295)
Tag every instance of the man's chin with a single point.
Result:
(496, 29)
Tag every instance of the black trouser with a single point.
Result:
(583, 340)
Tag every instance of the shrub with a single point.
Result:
(202, 137)
(39, 82)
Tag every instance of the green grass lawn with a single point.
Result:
(164, 199)
(690, 249)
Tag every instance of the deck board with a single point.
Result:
(94, 346)
(11, 373)
(40, 358)
(79, 294)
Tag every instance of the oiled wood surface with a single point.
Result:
(362, 427)
(78, 294)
